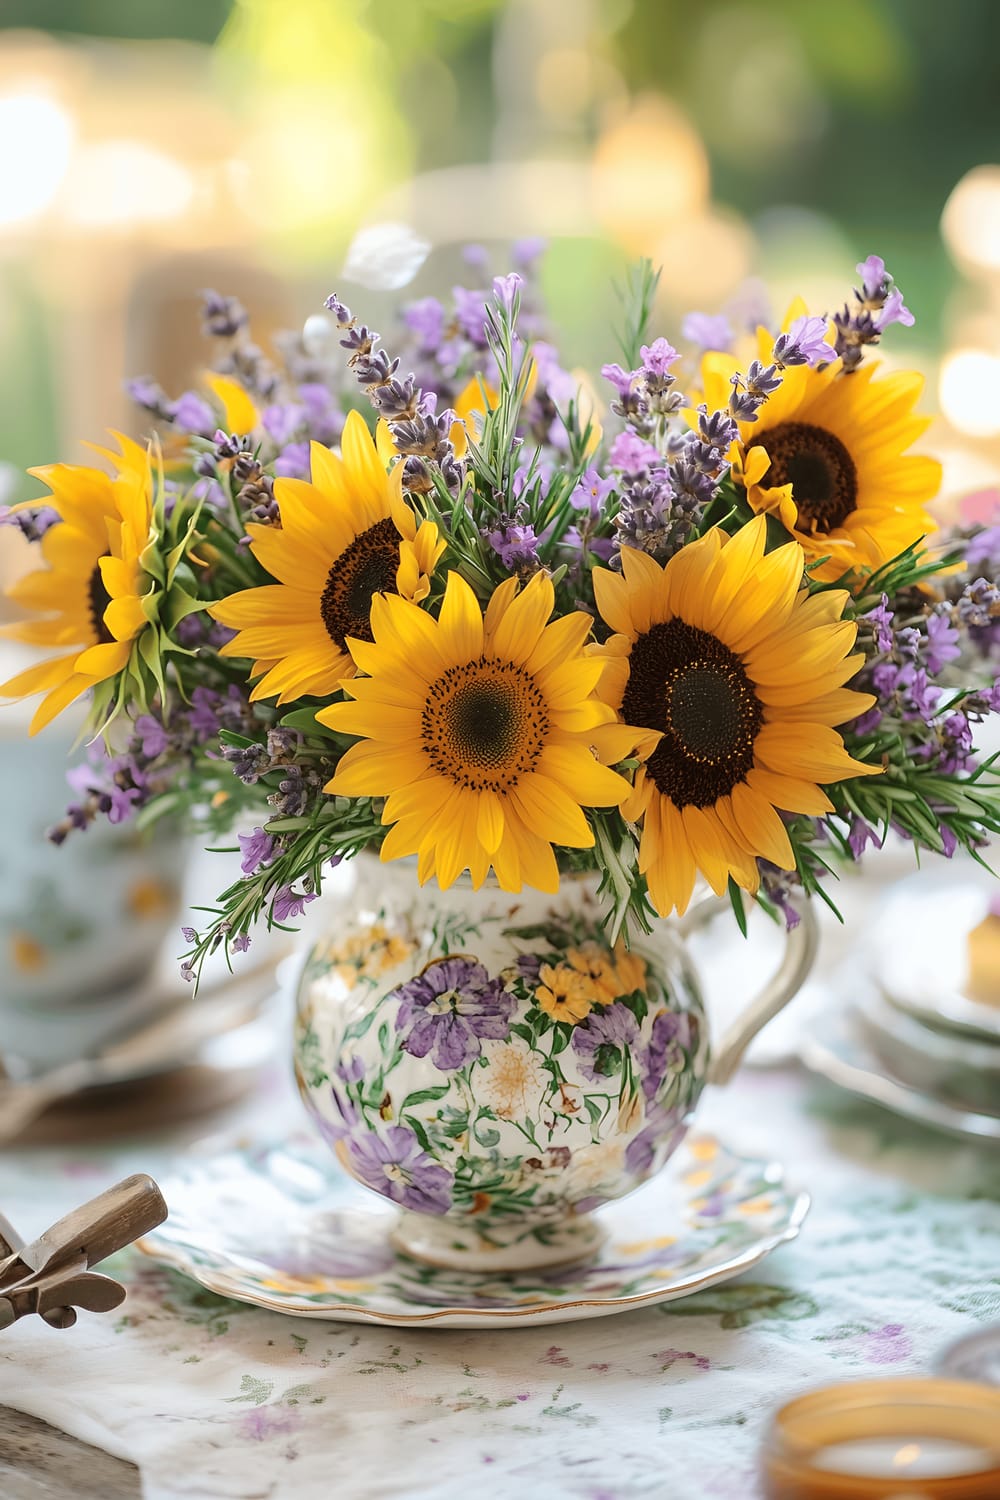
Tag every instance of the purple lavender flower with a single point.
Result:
(153, 737)
(861, 835)
(525, 252)
(942, 642)
(222, 317)
(515, 543)
(282, 420)
(880, 618)
(876, 305)
(708, 331)
(590, 494)
(257, 849)
(449, 1009)
(293, 462)
(288, 903)
(632, 454)
(874, 282)
(622, 380)
(397, 1166)
(193, 414)
(323, 417)
(426, 319)
(476, 257)
(601, 1038)
(202, 716)
(983, 551)
(470, 313)
(241, 942)
(658, 356)
(805, 343)
(32, 523)
(894, 311)
(506, 289)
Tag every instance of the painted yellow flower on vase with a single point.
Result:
(738, 675)
(481, 732)
(564, 993)
(595, 963)
(827, 456)
(90, 594)
(346, 536)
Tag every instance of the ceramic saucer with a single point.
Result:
(280, 1227)
(921, 962)
(837, 1050)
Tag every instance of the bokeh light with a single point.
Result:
(971, 221)
(969, 392)
(36, 142)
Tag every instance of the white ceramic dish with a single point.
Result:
(836, 1050)
(281, 1228)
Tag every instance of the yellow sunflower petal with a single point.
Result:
(239, 414)
(520, 628)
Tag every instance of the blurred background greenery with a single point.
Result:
(149, 149)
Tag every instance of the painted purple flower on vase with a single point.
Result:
(600, 1040)
(397, 1166)
(673, 1032)
(662, 1128)
(450, 1009)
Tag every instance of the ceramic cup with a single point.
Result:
(80, 925)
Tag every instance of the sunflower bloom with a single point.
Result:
(738, 676)
(480, 732)
(345, 537)
(827, 457)
(91, 592)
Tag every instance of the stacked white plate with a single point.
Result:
(916, 1023)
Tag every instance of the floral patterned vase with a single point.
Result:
(494, 1067)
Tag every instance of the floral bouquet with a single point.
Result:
(441, 603)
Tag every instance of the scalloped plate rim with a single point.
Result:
(455, 1316)
(576, 1311)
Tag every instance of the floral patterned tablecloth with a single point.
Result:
(214, 1399)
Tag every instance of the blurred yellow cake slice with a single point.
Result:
(983, 982)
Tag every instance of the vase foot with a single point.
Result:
(460, 1247)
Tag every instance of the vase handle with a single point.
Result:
(801, 944)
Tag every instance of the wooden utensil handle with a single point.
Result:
(97, 1229)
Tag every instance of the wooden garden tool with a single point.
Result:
(52, 1275)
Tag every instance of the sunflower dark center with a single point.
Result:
(820, 470)
(367, 567)
(484, 724)
(98, 599)
(686, 683)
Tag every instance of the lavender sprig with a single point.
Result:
(419, 433)
(877, 304)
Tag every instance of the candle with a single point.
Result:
(908, 1439)
(926, 1458)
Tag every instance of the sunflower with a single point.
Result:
(91, 591)
(345, 537)
(738, 676)
(827, 457)
(481, 733)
